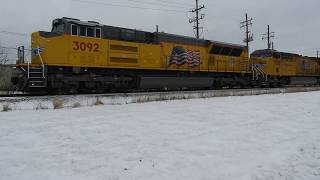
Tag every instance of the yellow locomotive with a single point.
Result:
(87, 56)
(281, 68)
(78, 56)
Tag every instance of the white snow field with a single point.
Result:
(267, 137)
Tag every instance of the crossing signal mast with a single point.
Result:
(197, 18)
(246, 24)
(269, 35)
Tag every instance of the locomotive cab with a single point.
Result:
(75, 27)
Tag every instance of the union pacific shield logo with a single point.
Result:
(37, 51)
(180, 56)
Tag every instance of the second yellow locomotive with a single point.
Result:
(285, 68)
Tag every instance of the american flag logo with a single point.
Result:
(180, 56)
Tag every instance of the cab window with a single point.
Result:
(58, 27)
(83, 31)
(98, 33)
(74, 30)
(236, 52)
(262, 55)
(90, 32)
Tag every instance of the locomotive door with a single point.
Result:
(221, 66)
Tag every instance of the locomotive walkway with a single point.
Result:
(73, 101)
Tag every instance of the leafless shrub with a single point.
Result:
(6, 72)
(3, 55)
(57, 103)
(76, 105)
(142, 99)
(6, 108)
(98, 102)
(41, 106)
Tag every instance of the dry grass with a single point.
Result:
(57, 103)
(6, 108)
(41, 106)
(98, 102)
(76, 105)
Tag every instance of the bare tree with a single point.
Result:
(3, 55)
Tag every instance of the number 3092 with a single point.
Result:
(83, 46)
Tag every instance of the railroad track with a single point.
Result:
(20, 94)
(156, 96)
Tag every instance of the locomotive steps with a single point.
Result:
(75, 101)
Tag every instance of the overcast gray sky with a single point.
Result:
(295, 22)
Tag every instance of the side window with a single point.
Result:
(74, 30)
(83, 31)
(98, 33)
(90, 32)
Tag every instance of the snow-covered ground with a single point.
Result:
(268, 137)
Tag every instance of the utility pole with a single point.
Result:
(196, 19)
(249, 36)
(268, 36)
(318, 54)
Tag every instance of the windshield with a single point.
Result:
(262, 55)
(58, 27)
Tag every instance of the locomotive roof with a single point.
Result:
(284, 54)
(272, 51)
(78, 22)
(181, 39)
(219, 43)
(161, 36)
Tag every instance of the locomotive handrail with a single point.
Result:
(28, 70)
(261, 71)
(266, 75)
(252, 68)
(42, 64)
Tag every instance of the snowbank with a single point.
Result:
(231, 138)
(59, 102)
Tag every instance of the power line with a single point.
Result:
(168, 1)
(158, 4)
(9, 53)
(12, 48)
(269, 35)
(197, 18)
(127, 6)
(15, 33)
